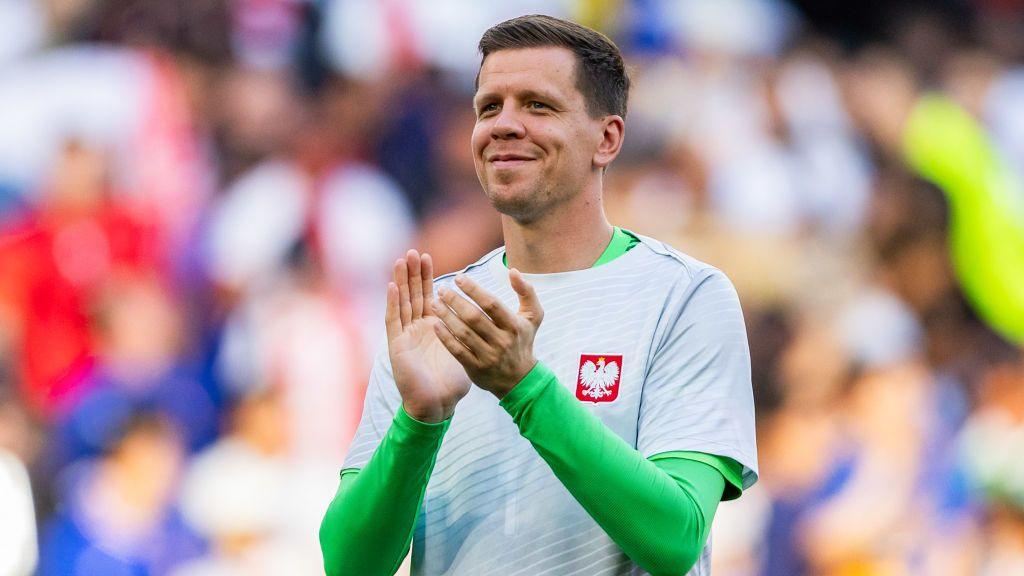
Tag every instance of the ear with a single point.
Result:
(612, 134)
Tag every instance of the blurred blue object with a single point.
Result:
(76, 541)
(98, 419)
(11, 201)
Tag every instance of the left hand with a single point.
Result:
(494, 345)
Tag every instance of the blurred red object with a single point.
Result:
(52, 261)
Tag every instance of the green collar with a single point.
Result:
(622, 241)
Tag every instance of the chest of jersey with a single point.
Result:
(489, 486)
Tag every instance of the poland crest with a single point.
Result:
(598, 377)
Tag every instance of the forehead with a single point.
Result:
(548, 69)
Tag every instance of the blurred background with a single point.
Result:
(200, 202)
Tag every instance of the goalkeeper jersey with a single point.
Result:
(652, 343)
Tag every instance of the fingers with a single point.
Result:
(470, 315)
(501, 316)
(392, 319)
(402, 280)
(427, 274)
(414, 277)
(454, 346)
(529, 304)
(461, 326)
(412, 260)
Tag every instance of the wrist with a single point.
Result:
(428, 414)
(501, 391)
(528, 385)
(411, 433)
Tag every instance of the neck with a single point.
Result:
(571, 237)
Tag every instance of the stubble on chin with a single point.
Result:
(522, 205)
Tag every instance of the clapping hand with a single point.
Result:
(493, 344)
(429, 379)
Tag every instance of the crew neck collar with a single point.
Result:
(619, 252)
(620, 243)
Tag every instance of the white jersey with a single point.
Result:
(669, 370)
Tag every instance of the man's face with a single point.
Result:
(533, 143)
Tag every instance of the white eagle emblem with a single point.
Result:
(598, 379)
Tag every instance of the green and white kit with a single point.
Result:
(609, 457)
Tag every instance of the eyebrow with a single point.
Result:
(527, 94)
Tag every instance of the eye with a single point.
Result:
(537, 105)
(487, 109)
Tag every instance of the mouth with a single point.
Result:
(508, 160)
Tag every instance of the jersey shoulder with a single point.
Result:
(474, 267)
(689, 267)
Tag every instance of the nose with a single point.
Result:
(507, 124)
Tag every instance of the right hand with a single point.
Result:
(428, 377)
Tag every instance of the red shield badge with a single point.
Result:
(597, 379)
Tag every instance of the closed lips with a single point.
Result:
(509, 158)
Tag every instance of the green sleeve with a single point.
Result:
(368, 526)
(945, 145)
(730, 469)
(658, 512)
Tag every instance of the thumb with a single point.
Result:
(529, 304)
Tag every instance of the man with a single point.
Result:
(576, 402)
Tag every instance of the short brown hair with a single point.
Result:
(600, 72)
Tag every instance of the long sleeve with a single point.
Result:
(658, 512)
(369, 524)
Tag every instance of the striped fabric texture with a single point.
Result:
(492, 505)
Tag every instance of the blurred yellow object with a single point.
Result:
(948, 147)
(597, 14)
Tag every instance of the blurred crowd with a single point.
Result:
(200, 203)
